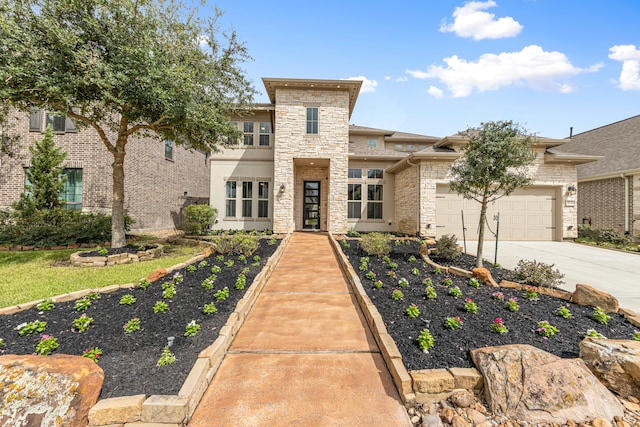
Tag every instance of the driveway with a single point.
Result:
(615, 272)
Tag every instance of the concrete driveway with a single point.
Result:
(615, 272)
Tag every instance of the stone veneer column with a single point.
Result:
(291, 142)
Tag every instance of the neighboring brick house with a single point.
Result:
(609, 188)
(160, 178)
(301, 166)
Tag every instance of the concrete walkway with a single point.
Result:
(305, 355)
(611, 271)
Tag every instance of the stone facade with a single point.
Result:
(406, 192)
(156, 188)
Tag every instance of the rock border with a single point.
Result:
(431, 385)
(77, 260)
(172, 410)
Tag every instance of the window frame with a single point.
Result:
(263, 199)
(247, 135)
(168, 149)
(375, 205)
(247, 199)
(354, 170)
(264, 136)
(230, 206)
(354, 200)
(312, 119)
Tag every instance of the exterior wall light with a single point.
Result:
(571, 190)
(282, 188)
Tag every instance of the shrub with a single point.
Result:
(602, 235)
(537, 274)
(239, 244)
(376, 243)
(447, 247)
(198, 218)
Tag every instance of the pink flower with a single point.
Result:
(498, 320)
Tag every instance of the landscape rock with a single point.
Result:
(430, 420)
(528, 384)
(590, 296)
(462, 399)
(48, 390)
(616, 363)
(484, 276)
(155, 275)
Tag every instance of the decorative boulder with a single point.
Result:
(528, 384)
(590, 296)
(157, 274)
(48, 390)
(615, 362)
(484, 276)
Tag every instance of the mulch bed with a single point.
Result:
(129, 360)
(130, 249)
(452, 346)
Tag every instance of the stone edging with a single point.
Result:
(429, 385)
(77, 260)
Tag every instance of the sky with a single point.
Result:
(436, 67)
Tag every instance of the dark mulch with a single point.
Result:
(130, 249)
(129, 360)
(452, 346)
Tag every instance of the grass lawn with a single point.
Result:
(32, 275)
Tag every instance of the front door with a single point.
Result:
(311, 206)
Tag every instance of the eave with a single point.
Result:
(420, 156)
(568, 158)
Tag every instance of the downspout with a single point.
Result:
(626, 203)
(419, 196)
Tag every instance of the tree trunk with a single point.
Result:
(483, 215)
(118, 237)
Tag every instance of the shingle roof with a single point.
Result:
(618, 142)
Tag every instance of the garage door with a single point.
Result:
(526, 214)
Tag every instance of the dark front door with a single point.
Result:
(311, 206)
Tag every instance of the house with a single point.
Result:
(160, 178)
(609, 188)
(300, 165)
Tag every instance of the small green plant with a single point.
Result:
(45, 305)
(592, 333)
(498, 296)
(403, 283)
(537, 274)
(386, 259)
(447, 281)
(202, 264)
(192, 329)
(241, 281)
(391, 273)
(370, 275)
(178, 278)
(600, 316)
(166, 358)
(364, 260)
(256, 258)
(209, 282)
(210, 308)
(93, 295)
(427, 282)
(216, 269)
(219, 258)
(378, 284)
(376, 243)
(425, 340)
(470, 306)
(168, 290)
(273, 241)
(431, 293)
(47, 345)
(635, 337)
(364, 266)
(222, 294)
(411, 259)
(498, 326)
(144, 284)
(563, 312)
(35, 327)
(2, 343)
(229, 263)
(132, 325)
(351, 232)
(102, 251)
(413, 311)
(345, 243)
(128, 299)
(160, 307)
(82, 323)
(82, 304)
(512, 304)
(415, 271)
(397, 295)
(453, 323)
(447, 247)
(93, 353)
(455, 292)
(474, 283)
(242, 258)
(437, 270)
(191, 268)
(393, 265)
(531, 293)
(546, 329)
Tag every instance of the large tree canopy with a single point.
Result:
(125, 68)
(494, 164)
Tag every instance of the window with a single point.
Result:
(265, 133)
(374, 201)
(312, 120)
(248, 133)
(372, 143)
(411, 147)
(422, 147)
(230, 208)
(263, 199)
(233, 140)
(374, 173)
(355, 173)
(58, 123)
(354, 198)
(247, 195)
(73, 189)
(168, 149)
(398, 147)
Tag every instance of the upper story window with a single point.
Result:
(58, 123)
(247, 128)
(355, 173)
(265, 133)
(398, 147)
(168, 149)
(233, 141)
(372, 143)
(312, 120)
(374, 173)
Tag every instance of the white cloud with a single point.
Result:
(435, 92)
(402, 79)
(368, 85)
(387, 78)
(630, 57)
(532, 66)
(471, 21)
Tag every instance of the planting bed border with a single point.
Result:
(77, 260)
(429, 385)
(171, 410)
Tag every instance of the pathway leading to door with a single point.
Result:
(305, 355)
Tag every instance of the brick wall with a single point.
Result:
(635, 204)
(603, 202)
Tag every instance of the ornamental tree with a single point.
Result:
(126, 69)
(496, 161)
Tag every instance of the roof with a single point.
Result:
(618, 143)
(351, 86)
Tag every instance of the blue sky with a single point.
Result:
(436, 67)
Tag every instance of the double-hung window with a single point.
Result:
(265, 133)
(230, 205)
(312, 120)
(374, 201)
(263, 199)
(58, 123)
(247, 196)
(354, 200)
(247, 128)
(168, 149)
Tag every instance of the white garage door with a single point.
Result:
(526, 214)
